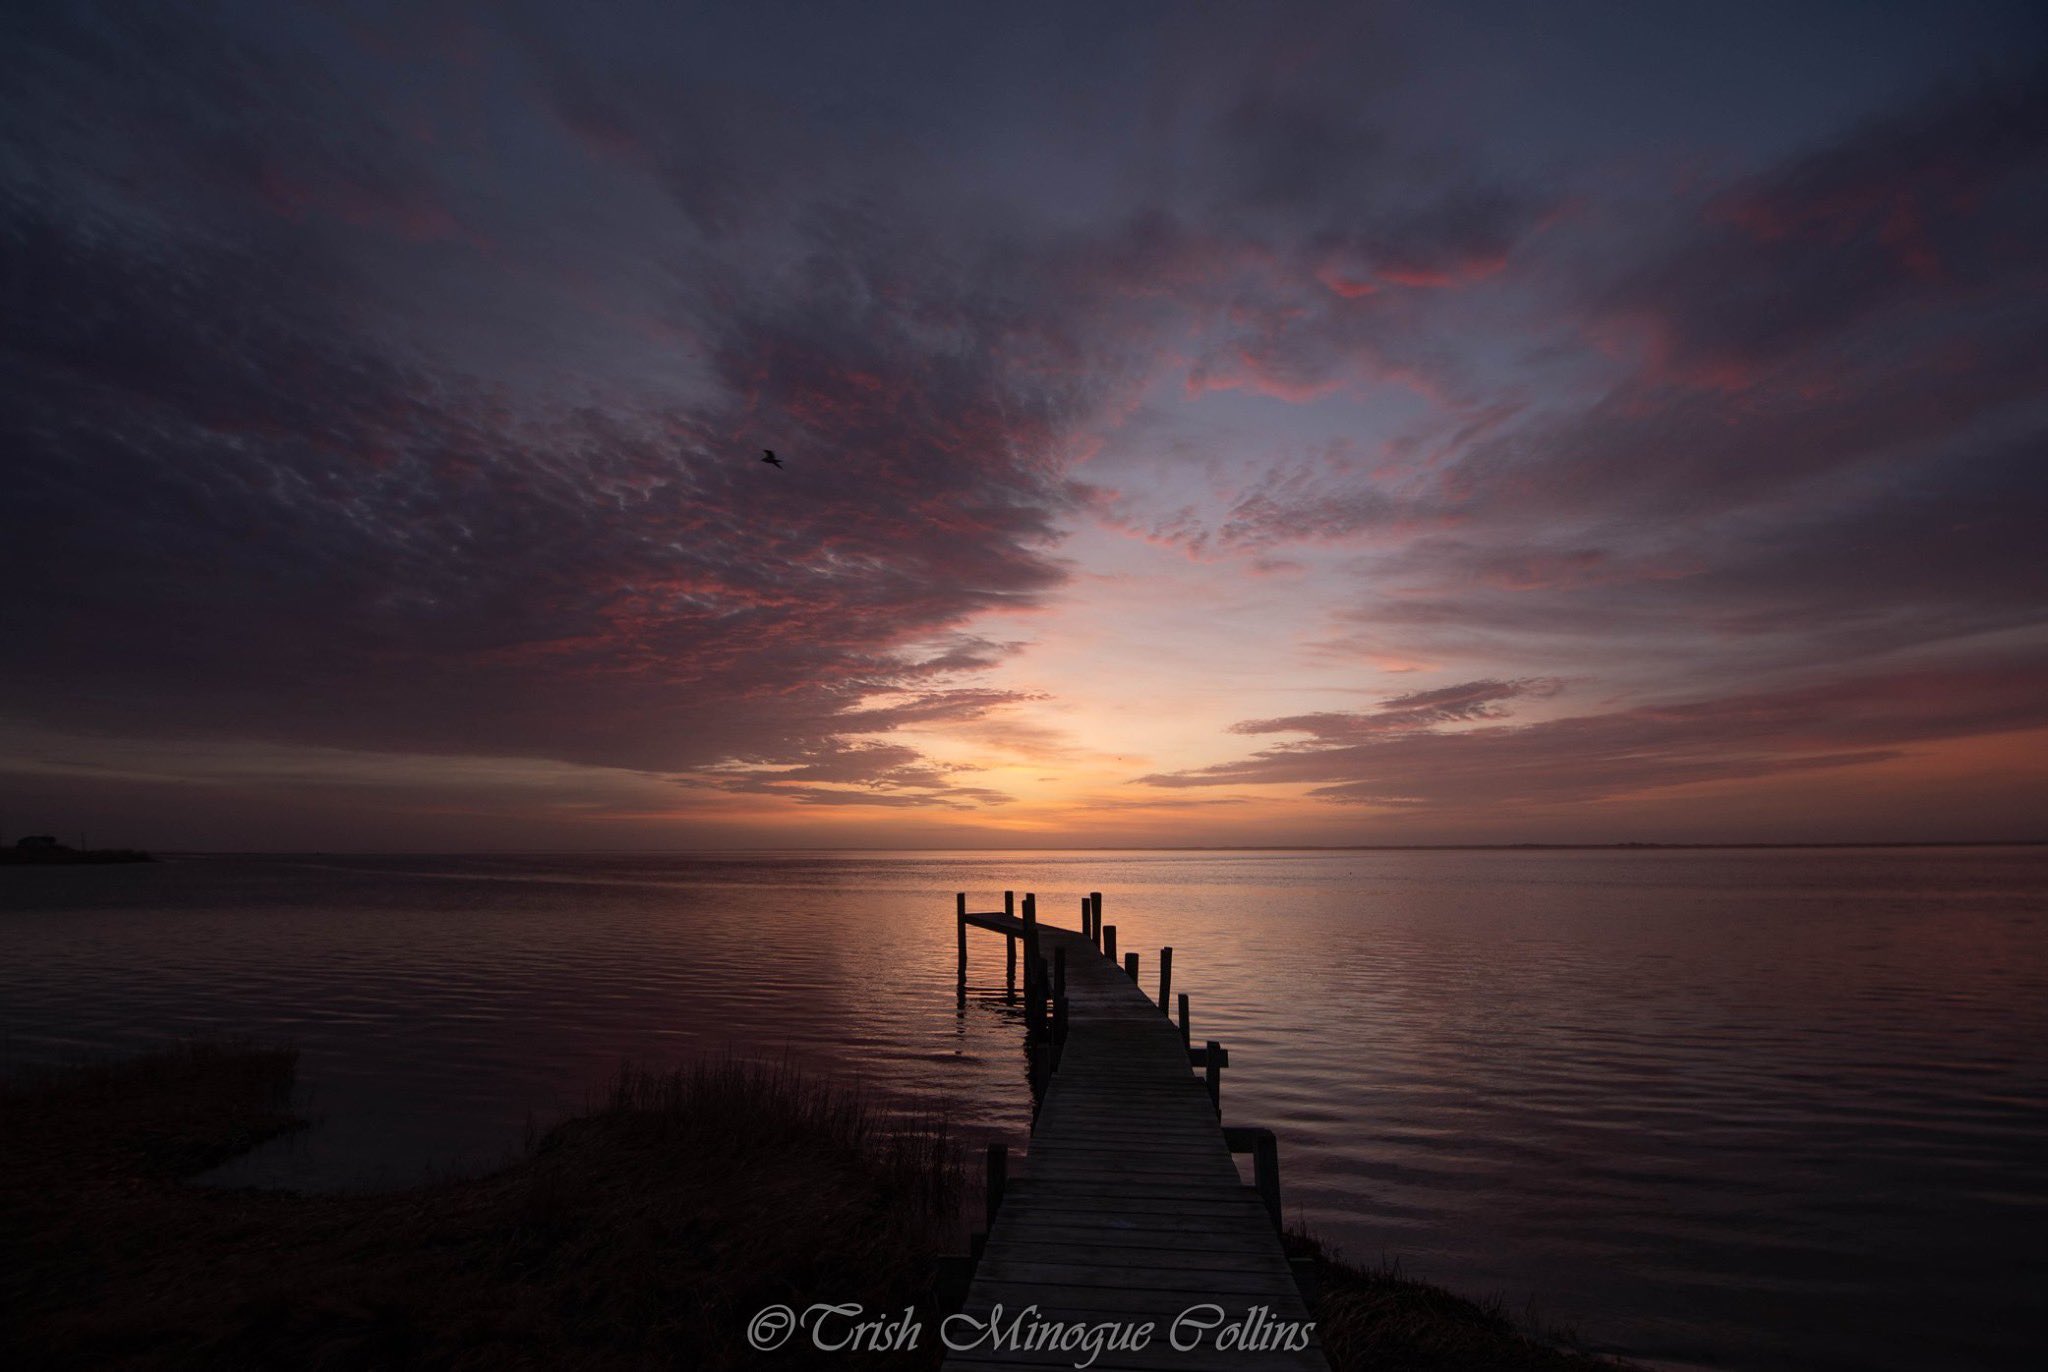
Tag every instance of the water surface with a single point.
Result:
(1729, 1109)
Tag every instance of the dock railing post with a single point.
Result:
(1034, 968)
(1266, 1174)
(1185, 1041)
(1212, 1068)
(1166, 981)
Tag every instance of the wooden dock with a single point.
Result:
(1127, 1209)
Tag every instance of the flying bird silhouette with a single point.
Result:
(771, 459)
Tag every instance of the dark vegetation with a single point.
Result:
(1378, 1319)
(644, 1233)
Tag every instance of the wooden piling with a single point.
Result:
(1109, 941)
(960, 910)
(1034, 968)
(1131, 966)
(1185, 1041)
(1166, 981)
(1266, 1175)
(1095, 903)
(1212, 1069)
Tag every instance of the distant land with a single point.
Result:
(1101, 848)
(40, 850)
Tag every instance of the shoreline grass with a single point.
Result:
(643, 1233)
(1377, 1319)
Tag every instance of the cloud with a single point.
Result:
(397, 386)
(1397, 756)
(1907, 212)
(251, 506)
(1416, 711)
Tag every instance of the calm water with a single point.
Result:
(1736, 1109)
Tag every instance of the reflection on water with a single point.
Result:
(1728, 1109)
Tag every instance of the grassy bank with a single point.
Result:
(645, 1233)
(1376, 1320)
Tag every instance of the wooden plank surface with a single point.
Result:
(1127, 1207)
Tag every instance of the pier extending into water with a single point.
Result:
(1127, 1208)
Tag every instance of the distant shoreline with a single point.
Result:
(1121, 848)
(70, 857)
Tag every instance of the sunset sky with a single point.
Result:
(1203, 424)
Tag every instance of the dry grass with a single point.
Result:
(1385, 1322)
(643, 1234)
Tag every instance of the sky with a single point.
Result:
(1201, 424)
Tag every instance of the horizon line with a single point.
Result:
(1116, 848)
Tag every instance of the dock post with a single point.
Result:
(1213, 1069)
(1059, 974)
(1131, 966)
(1109, 941)
(1034, 968)
(1010, 969)
(1165, 981)
(1266, 1175)
(960, 916)
(1095, 904)
(998, 1179)
(1185, 1041)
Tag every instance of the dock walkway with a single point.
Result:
(1128, 1208)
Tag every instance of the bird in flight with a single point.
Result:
(771, 459)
